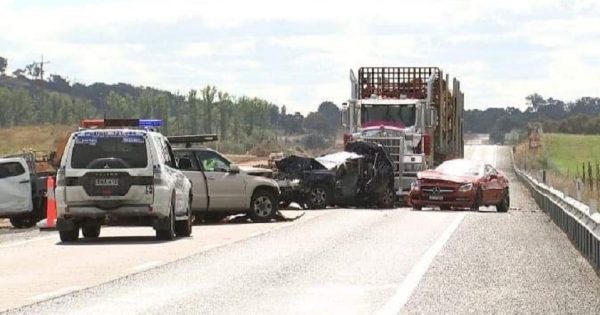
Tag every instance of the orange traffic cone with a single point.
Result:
(50, 206)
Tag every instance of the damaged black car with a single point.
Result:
(360, 176)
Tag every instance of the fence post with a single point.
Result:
(590, 175)
(544, 176)
(579, 188)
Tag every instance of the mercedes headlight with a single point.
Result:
(466, 187)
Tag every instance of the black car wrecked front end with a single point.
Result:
(361, 175)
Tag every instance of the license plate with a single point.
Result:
(436, 198)
(107, 182)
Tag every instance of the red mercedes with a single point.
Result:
(460, 184)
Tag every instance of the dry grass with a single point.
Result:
(42, 137)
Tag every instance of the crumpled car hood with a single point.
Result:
(256, 171)
(435, 175)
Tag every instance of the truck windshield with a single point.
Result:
(93, 152)
(400, 115)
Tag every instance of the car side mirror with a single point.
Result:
(184, 164)
(234, 169)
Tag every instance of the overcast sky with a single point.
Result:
(299, 53)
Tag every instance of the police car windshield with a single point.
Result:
(109, 152)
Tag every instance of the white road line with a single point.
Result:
(31, 240)
(399, 299)
(146, 266)
(55, 293)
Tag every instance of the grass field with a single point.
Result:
(567, 152)
(14, 140)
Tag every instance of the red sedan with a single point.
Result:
(460, 184)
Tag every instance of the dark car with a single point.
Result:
(460, 183)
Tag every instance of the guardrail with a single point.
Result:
(576, 219)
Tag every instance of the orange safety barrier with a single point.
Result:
(50, 203)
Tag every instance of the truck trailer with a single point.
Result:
(412, 111)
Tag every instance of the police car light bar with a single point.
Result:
(189, 139)
(102, 123)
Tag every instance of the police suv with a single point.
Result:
(121, 172)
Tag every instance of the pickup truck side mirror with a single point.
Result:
(184, 163)
(234, 169)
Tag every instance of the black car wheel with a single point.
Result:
(317, 197)
(387, 199)
(504, 205)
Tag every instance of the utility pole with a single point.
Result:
(42, 62)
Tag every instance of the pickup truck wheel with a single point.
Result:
(91, 231)
(168, 233)
(184, 228)
(317, 197)
(23, 221)
(69, 236)
(505, 203)
(263, 206)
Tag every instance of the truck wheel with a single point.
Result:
(387, 199)
(184, 228)
(168, 233)
(69, 236)
(505, 203)
(263, 206)
(317, 197)
(91, 231)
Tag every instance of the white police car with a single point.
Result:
(121, 172)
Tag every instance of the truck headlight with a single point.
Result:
(466, 187)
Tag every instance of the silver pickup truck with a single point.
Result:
(221, 187)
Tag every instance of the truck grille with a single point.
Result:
(394, 147)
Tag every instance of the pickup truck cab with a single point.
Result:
(15, 192)
(222, 187)
(113, 173)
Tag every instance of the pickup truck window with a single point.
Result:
(190, 155)
(212, 161)
(11, 169)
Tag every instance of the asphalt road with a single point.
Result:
(341, 261)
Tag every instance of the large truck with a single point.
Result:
(412, 112)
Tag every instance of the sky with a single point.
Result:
(299, 53)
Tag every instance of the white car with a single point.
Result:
(116, 175)
(220, 187)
